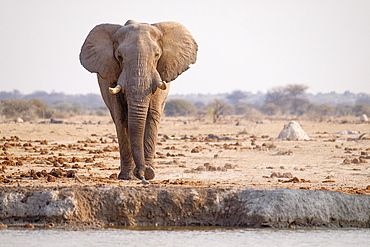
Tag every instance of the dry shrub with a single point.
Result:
(28, 109)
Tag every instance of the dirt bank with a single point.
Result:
(183, 206)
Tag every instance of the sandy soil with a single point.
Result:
(190, 153)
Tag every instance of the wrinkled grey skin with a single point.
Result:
(140, 58)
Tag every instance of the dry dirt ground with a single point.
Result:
(190, 153)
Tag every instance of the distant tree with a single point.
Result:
(37, 95)
(200, 106)
(201, 109)
(324, 110)
(289, 99)
(236, 97)
(218, 108)
(298, 106)
(179, 107)
(344, 110)
(295, 90)
(269, 109)
(363, 99)
(277, 96)
(360, 109)
(242, 108)
(15, 94)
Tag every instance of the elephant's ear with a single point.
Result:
(97, 54)
(179, 50)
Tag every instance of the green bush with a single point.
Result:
(179, 107)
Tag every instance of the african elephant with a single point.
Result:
(135, 64)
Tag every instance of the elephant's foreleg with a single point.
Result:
(118, 110)
(127, 162)
(150, 139)
(151, 130)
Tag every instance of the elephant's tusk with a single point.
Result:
(115, 90)
(162, 85)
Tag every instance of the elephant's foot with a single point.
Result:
(148, 173)
(126, 175)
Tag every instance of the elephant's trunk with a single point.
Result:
(138, 87)
(137, 114)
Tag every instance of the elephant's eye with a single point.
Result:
(119, 57)
(157, 54)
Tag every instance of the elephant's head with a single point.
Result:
(137, 59)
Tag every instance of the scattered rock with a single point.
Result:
(211, 168)
(329, 181)
(51, 178)
(348, 132)
(294, 180)
(212, 136)
(29, 226)
(71, 174)
(49, 225)
(354, 161)
(269, 145)
(201, 169)
(287, 175)
(229, 166)
(54, 121)
(347, 161)
(197, 149)
(281, 175)
(274, 175)
(289, 152)
(56, 173)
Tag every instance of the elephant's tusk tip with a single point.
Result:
(115, 90)
(162, 85)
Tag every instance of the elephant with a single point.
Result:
(135, 64)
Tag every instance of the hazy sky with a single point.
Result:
(246, 45)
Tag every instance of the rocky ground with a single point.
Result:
(236, 154)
